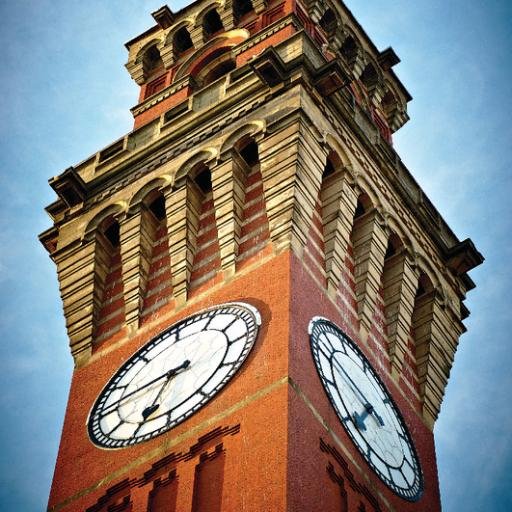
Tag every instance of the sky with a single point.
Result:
(66, 94)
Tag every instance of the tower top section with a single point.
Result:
(188, 50)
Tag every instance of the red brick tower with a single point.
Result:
(258, 191)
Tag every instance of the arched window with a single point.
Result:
(221, 69)
(370, 76)
(152, 62)
(241, 8)
(181, 42)
(349, 49)
(328, 22)
(211, 23)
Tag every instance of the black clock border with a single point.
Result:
(415, 492)
(247, 312)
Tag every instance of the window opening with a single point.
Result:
(212, 23)
(112, 234)
(157, 207)
(328, 21)
(204, 180)
(182, 41)
(250, 153)
(152, 61)
(218, 71)
(328, 169)
(241, 8)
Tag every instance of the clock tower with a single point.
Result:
(262, 305)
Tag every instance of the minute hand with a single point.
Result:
(167, 374)
(365, 402)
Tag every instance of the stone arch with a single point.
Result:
(371, 76)
(216, 4)
(329, 21)
(335, 145)
(425, 267)
(205, 156)
(252, 129)
(395, 226)
(187, 23)
(350, 48)
(153, 187)
(159, 43)
(195, 63)
(241, 8)
(212, 23)
(366, 187)
(113, 210)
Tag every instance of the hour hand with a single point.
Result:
(175, 371)
(368, 410)
(150, 409)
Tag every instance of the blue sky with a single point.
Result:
(65, 94)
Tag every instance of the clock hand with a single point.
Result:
(150, 409)
(168, 374)
(369, 409)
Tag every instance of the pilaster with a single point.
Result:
(259, 5)
(400, 282)
(369, 238)
(226, 15)
(81, 272)
(436, 335)
(137, 235)
(228, 183)
(292, 162)
(183, 207)
(339, 201)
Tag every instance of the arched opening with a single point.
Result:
(181, 42)
(252, 230)
(423, 318)
(109, 228)
(157, 207)
(241, 8)
(349, 49)
(369, 77)
(328, 22)
(248, 150)
(206, 259)
(218, 71)
(152, 63)
(108, 286)
(155, 284)
(212, 23)
(364, 204)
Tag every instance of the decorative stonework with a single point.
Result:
(369, 239)
(400, 282)
(229, 179)
(183, 207)
(282, 100)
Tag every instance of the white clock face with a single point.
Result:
(173, 375)
(365, 409)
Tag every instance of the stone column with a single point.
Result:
(400, 282)
(292, 162)
(183, 208)
(339, 201)
(436, 333)
(369, 238)
(137, 234)
(228, 184)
